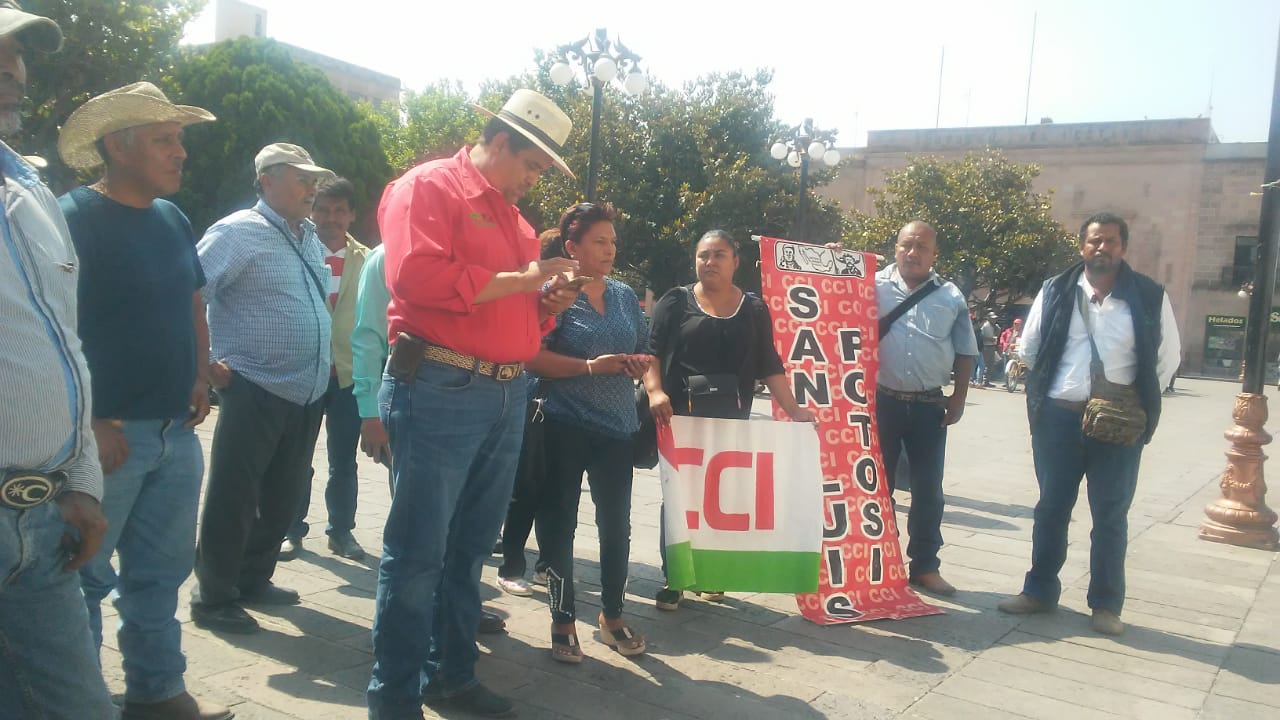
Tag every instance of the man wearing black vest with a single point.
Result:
(1131, 325)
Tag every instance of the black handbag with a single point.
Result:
(644, 448)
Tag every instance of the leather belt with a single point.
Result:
(502, 372)
(1075, 406)
(933, 395)
(25, 489)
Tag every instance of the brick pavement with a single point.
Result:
(1203, 638)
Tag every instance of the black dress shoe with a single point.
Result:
(270, 594)
(479, 700)
(228, 618)
(491, 623)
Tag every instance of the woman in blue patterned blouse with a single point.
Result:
(590, 363)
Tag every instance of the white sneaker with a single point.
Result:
(515, 586)
(540, 578)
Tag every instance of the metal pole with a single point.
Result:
(942, 63)
(1026, 110)
(1240, 516)
(593, 166)
(1264, 279)
(801, 231)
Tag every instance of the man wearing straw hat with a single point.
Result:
(50, 481)
(468, 308)
(269, 337)
(142, 322)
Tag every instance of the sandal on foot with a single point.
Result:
(565, 647)
(624, 639)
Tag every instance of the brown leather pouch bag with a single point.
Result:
(406, 357)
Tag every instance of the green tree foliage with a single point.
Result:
(106, 45)
(995, 232)
(261, 96)
(677, 163)
(427, 125)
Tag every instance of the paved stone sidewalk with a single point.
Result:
(1203, 638)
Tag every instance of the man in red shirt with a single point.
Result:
(468, 308)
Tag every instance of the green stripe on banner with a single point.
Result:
(741, 571)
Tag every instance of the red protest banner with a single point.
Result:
(823, 304)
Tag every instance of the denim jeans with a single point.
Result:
(1063, 455)
(455, 441)
(571, 451)
(342, 428)
(150, 505)
(916, 428)
(48, 667)
(527, 510)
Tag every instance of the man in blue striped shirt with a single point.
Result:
(269, 338)
(50, 479)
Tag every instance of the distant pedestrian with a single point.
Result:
(142, 321)
(269, 332)
(51, 522)
(344, 257)
(1101, 334)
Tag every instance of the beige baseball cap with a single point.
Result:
(289, 154)
(38, 32)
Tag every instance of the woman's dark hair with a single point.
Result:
(516, 140)
(575, 221)
(723, 236)
(549, 244)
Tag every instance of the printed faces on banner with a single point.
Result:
(798, 257)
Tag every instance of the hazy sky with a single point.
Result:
(851, 65)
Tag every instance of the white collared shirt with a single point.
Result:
(1113, 334)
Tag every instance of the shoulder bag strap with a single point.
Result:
(315, 279)
(1095, 363)
(886, 322)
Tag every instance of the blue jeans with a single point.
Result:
(455, 441)
(342, 428)
(48, 667)
(1063, 455)
(150, 505)
(917, 429)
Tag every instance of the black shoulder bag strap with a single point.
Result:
(886, 322)
(315, 279)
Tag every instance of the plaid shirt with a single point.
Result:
(268, 321)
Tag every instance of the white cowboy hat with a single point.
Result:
(38, 32)
(140, 103)
(538, 119)
(289, 154)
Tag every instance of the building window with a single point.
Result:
(1245, 259)
(257, 25)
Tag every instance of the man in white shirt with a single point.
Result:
(1132, 326)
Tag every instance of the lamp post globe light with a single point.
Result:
(801, 144)
(601, 60)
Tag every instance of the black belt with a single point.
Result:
(1075, 406)
(24, 489)
(933, 395)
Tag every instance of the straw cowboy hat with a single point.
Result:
(38, 32)
(538, 119)
(140, 103)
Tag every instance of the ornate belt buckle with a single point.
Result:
(508, 372)
(27, 490)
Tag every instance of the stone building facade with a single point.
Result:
(1187, 198)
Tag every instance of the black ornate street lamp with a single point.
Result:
(602, 60)
(802, 142)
